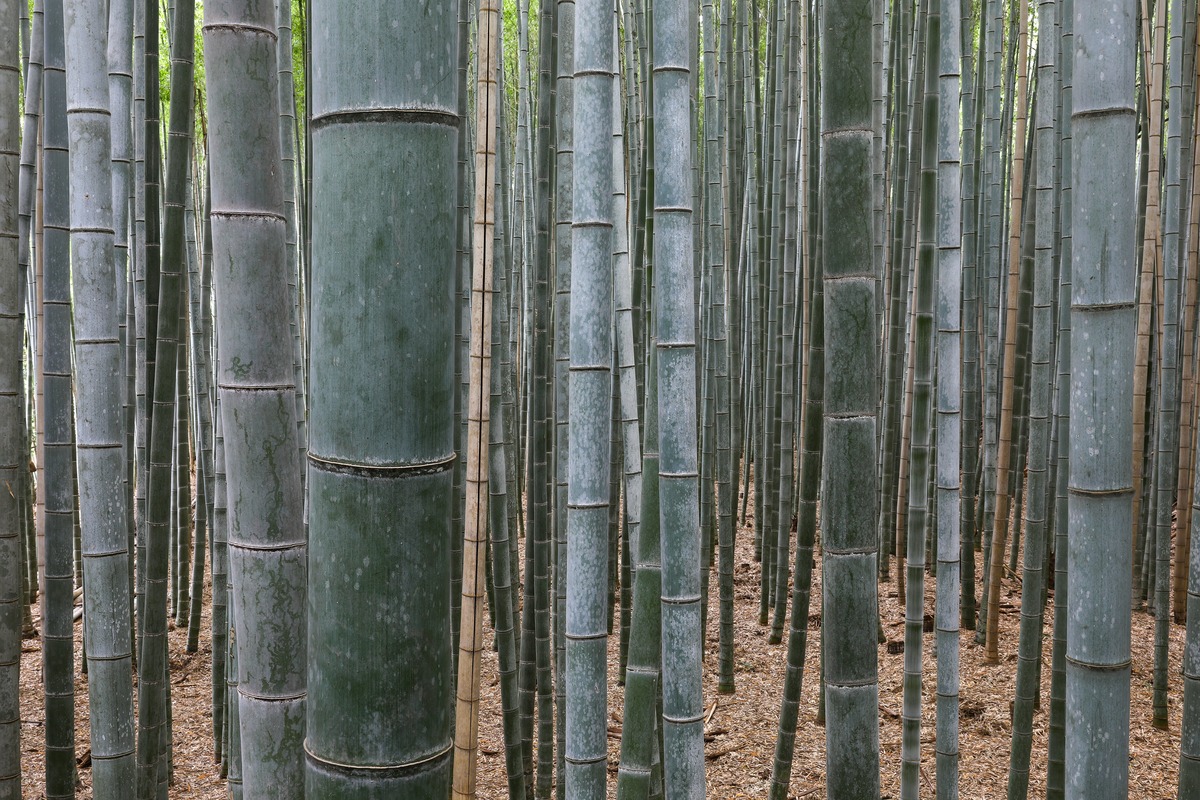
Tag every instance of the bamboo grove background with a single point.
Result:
(402, 322)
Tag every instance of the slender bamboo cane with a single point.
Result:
(950, 396)
(470, 645)
(1056, 741)
(924, 289)
(851, 397)
(380, 484)
(1004, 453)
(1168, 398)
(1030, 646)
(56, 337)
(590, 396)
(1150, 264)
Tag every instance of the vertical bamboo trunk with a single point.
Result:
(1101, 481)
(98, 418)
(12, 389)
(1004, 453)
(590, 386)
(850, 604)
(267, 552)
(674, 311)
(1056, 740)
(470, 644)
(1032, 609)
(924, 289)
(56, 338)
(380, 479)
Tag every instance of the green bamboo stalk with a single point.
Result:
(950, 396)
(919, 523)
(380, 483)
(58, 444)
(1011, 325)
(971, 424)
(1169, 366)
(98, 419)
(639, 738)
(1056, 740)
(12, 458)
(673, 31)
(1029, 653)
(220, 594)
(266, 538)
(590, 389)
(806, 529)
(564, 159)
(851, 405)
(501, 533)
(1102, 320)
(535, 623)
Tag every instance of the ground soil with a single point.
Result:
(740, 730)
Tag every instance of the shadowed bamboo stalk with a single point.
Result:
(923, 349)
(950, 397)
(470, 645)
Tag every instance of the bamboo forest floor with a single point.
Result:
(740, 731)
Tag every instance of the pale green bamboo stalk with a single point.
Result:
(12, 457)
(1103, 321)
(590, 379)
(1056, 740)
(1029, 653)
(98, 418)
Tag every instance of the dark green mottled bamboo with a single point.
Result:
(851, 404)
(381, 446)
